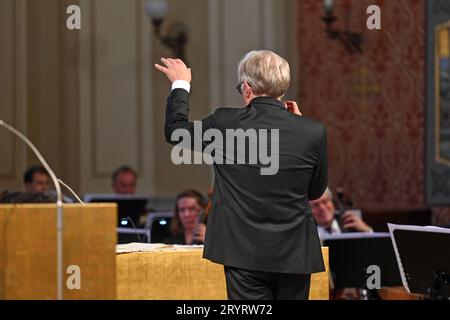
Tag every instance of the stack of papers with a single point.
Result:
(152, 247)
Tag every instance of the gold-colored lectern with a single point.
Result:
(170, 273)
(28, 251)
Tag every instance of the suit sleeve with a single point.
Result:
(177, 117)
(319, 180)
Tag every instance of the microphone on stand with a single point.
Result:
(59, 205)
(135, 229)
(71, 191)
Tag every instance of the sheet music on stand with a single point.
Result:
(423, 259)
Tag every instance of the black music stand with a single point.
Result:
(130, 208)
(351, 254)
(423, 258)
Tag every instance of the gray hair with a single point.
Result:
(329, 193)
(266, 73)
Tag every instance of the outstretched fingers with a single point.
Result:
(161, 68)
(168, 63)
(174, 69)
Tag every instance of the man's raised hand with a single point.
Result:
(292, 107)
(175, 69)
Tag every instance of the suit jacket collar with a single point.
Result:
(267, 101)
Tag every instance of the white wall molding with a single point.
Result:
(115, 93)
(13, 81)
(237, 27)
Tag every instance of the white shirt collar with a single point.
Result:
(335, 229)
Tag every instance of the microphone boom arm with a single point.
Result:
(59, 205)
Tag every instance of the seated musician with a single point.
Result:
(328, 222)
(188, 226)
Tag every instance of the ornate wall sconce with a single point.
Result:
(157, 11)
(351, 40)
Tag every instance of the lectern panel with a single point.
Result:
(28, 255)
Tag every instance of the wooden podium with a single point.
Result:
(28, 258)
(182, 274)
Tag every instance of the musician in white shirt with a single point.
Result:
(324, 213)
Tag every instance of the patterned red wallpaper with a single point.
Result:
(371, 103)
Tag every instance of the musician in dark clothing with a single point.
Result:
(188, 225)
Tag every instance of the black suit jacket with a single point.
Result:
(263, 222)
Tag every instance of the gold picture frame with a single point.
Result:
(442, 94)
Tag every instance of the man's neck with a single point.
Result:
(252, 96)
(266, 96)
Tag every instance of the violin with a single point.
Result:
(342, 203)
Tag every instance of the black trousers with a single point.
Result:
(259, 285)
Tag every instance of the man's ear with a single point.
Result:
(248, 90)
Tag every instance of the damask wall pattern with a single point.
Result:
(372, 103)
